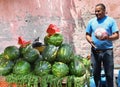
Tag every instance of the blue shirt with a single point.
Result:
(107, 23)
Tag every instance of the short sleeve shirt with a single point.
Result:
(107, 23)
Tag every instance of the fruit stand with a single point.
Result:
(49, 64)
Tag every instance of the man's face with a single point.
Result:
(99, 12)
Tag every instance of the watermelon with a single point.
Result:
(1, 55)
(75, 56)
(42, 68)
(64, 53)
(22, 67)
(11, 52)
(86, 63)
(39, 59)
(80, 81)
(77, 68)
(52, 29)
(83, 60)
(31, 55)
(5, 66)
(60, 69)
(55, 39)
(49, 53)
(24, 49)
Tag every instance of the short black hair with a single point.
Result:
(102, 5)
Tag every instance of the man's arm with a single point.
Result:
(89, 39)
(114, 36)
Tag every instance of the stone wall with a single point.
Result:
(86, 8)
(30, 20)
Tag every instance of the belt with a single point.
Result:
(100, 51)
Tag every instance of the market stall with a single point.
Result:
(49, 64)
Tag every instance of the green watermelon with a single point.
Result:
(42, 68)
(39, 59)
(60, 69)
(11, 52)
(1, 55)
(49, 53)
(55, 39)
(77, 68)
(5, 66)
(80, 81)
(75, 56)
(22, 67)
(64, 53)
(31, 55)
(87, 63)
(23, 50)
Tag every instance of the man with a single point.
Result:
(102, 48)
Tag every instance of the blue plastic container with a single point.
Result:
(103, 78)
(102, 82)
(118, 79)
(92, 83)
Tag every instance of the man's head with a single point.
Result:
(100, 10)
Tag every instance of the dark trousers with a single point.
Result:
(102, 58)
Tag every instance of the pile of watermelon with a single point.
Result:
(45, 64)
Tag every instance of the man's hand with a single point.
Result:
(92, 44)
(105, 37)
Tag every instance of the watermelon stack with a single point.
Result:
(52, 65)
